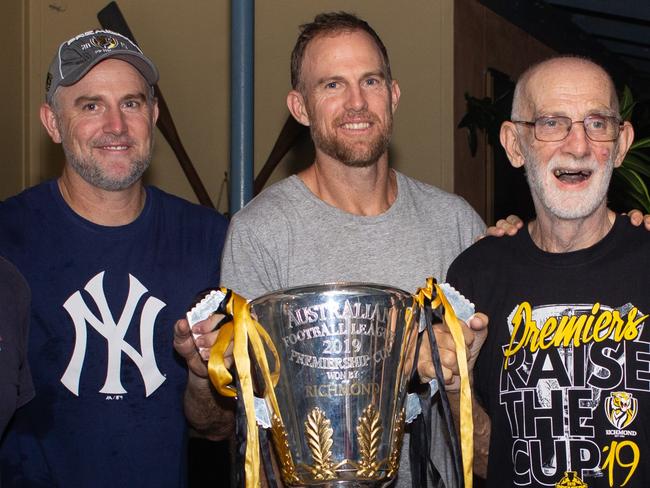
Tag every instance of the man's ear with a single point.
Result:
(510, 140)
(625, 139)
(155, 111)
(51, 123)
(395, 94)
(297, 107)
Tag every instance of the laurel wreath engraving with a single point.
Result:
(319, 438)
(281, 443)
(318, 432)
(369, 432)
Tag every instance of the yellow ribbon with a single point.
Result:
(243, 330)
(466, 420)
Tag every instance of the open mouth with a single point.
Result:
(572, 176)
(114, 148)
(356, 125)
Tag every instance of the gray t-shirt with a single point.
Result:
(288, 237)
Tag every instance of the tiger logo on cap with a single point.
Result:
(621, 408)
(103, 41)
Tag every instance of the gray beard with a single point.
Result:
(544, 198)
(91, 172)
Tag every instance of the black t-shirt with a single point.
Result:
(565, 371)
(16, 387)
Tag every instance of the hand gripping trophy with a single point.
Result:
(326, 368)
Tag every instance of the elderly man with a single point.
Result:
(111, 263)
(565, 371)
(348, 216)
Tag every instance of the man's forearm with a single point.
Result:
(482, 426)
(211, 415)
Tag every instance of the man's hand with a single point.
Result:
(637, 218)
(197, 351)
(508, 226)
(211, 415)
(475, 333)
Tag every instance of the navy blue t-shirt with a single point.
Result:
(108, 409)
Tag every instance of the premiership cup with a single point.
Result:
(345, 360)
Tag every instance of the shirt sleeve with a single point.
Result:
(247, 266)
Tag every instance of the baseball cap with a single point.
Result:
(77, 56)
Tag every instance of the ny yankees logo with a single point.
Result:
(114, 334)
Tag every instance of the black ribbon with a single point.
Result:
(423, 469)
(241, 436)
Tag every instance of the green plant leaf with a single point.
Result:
(630, 197)
(644, 205)
(638, 165)
(626, 103)
(640, 144)
(639, 154)
(635, 181)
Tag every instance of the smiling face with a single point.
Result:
(569, 178)
(345, 98)
(105, 124)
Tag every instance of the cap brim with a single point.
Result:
(140, 62)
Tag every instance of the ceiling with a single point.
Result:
(615, 33)
(622, 26)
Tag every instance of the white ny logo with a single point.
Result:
(114, 334)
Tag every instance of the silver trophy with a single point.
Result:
(345, 353)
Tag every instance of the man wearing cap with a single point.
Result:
(111, 263)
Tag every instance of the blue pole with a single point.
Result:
(242, 44)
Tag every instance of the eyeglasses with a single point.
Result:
(599, 128)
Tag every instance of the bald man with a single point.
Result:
(564, 374)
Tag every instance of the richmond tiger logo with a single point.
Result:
(621, 408)
(571, 480)
(103, 41)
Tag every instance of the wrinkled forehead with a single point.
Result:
(573, 87)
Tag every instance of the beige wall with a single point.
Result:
(483, 40)
(190, 43)
(12, 122)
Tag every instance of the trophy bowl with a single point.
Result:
(345, 352)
